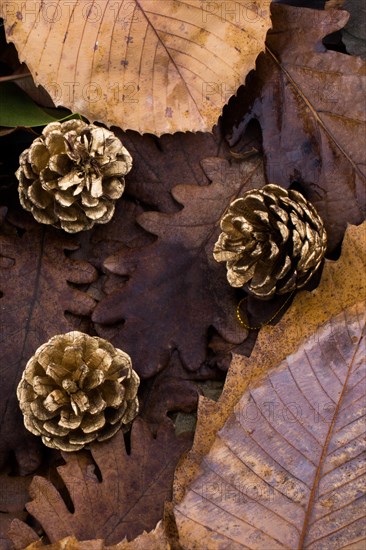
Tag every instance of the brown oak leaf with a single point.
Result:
(38, 284)
(287, 468)
(123, 499)
(176, 290)
(159, 164)
(310, 103)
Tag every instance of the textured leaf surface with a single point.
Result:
(151, 65)
(175, 280)
(128, 499)
(159, 165)
(339, 289)
(310, 103)
(35, 294)
(287, 469)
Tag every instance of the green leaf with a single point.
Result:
(18, 109)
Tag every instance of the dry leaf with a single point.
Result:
(343, 284)
(162, 163)
(159, 165)
(172, 389)
(310, 103)
(151, 65)
(13, 497)
(286, 469)
(13, 493)
(20, 535)
(176, 280)
(38, 283)
(153, 540)
(124, 498)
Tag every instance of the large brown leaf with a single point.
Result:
(124, 499)
(37, 287)
(159, 164)
(310, 103)
(287, 469)
(176, 290)
(151, 65)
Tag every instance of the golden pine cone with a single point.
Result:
(77, 389)
(71, 175)
(272, 241)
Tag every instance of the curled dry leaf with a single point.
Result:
(318, 139)
(176, 279)
(151, 65)
(343, 284)
(124, 499)
(286, 470)
(38, 284)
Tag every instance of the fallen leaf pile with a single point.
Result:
(176, 278)
(337, 291)
(310, 103)
(38, 283)
(118, 495)
(275, 462)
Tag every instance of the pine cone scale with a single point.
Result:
(68, 420)
(97, 403)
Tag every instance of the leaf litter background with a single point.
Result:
(161, 240)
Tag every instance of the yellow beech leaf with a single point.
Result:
(149, 65)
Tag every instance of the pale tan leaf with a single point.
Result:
(151, 65)
(343, 284)
(287, 469)
(152, 540)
